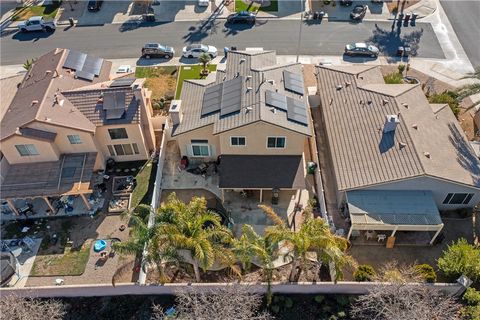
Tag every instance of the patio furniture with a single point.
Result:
(381, 237)
(370, 235)
(99, 245)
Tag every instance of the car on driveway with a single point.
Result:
(361, 49)
(94, 5)
(241, 17)
(195, 50)
(157, 50)
(358, 12)
(37, 23)
(346, 3)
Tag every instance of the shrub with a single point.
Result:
(472, 297)
(426, 272)
(471, 312)
(342, 301)
(461, 258)
(288, 303)
(275, 309)
(319, 299)
(341, 314)
(393, 78)
(401, 68)
(364, 273)
(448, 97)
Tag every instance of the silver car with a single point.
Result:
(361, 49)
(195, 50)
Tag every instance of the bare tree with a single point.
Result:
(400, 294)
(13, 307)
(232, 302)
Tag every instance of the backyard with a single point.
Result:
(48, 12)
(162, 81)
(247, 5)
(191, 72)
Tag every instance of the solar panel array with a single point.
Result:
(276, 100)
(225, 97)
(293, 82)
(114, 104)
(297, 111)
(85, 66)
(123, 82)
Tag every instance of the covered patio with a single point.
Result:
(36, 190)
(392, 211)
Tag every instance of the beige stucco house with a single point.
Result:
(65, 120)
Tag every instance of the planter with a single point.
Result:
(204, 72)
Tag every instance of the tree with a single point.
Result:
(13, 307)
(204, 59)
(396, 297)
(228, 303)
(28, 64)
(461, 258)
(314, 235)
(198, 231)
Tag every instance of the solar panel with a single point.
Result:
(232, 96)
(114, 104)
(120, 100)
(212, 99)
(92, 65)
(75, 60)
(276, 100)
(123, 82)
(84, 75)
(293, 82)
(108, 100)
(297, 111)
(114, 114)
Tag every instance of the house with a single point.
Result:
(397, 160)
(66, 119)
(253, 118)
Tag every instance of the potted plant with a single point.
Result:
(204, 59)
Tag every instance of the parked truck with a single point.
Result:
(37, 23)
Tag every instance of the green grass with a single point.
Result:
(190, 72)
(393, 78)
(71, 263)
(242, 6)
(145, 181)
(154, 72)
(48, 12)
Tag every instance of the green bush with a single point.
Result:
(401, 68)
(471, 297)
(288, 303)
(393, 78)
(448, 97)
(427, 272)
(364, 273)
(341, 314)
(471, 312)
(461, 258)
(319, 299)
(342, 301)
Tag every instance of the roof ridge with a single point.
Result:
(407, 86)
(334, 68)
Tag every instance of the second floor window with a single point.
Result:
(74, 139)
(123, 149)
(276, 142)
(237, 141)
(118, 133)
(26, 150)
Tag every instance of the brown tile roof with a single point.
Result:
(424, 142)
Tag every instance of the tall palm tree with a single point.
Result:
(314, 235)
(198, 231)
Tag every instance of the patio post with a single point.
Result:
(261, 195)
(223, 195)
(436, 234)
(49, 204)
(12, 206)
(89, 206)
(394, 231)
(350, 232)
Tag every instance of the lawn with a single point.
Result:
(71, 263)
(145, 181)
(240, 5)
(190, 72)
(48, 11)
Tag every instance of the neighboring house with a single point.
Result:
(253, 117)
(396, 159)
(65, 120)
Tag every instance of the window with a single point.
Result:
(276, 142)
(27, 150)
(458, 198)
(238, 141)
(200, 150)
(123, 149)
(74, 139)
(135, 148)
(110, 149)
(118, 133)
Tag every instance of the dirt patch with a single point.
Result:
(162, 86)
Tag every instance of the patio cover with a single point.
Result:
(71, 174)
(8, 267)
(261, 172)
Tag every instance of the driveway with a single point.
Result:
(110, 12)
(376, 11)
(178, 10)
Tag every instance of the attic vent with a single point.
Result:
(339, 87)
(271, 81)
(405, 105)
(274, 110)
(415, 126)
(361, 102)
(248, 78)
(224, 78)
(242, 60)
(237, 75)
(34, 102)
(249, 88)
(347, 84)
(427, 154)
(61, 102)
(48, 71)
(331, 101)
(369, 102)
(248, 109)
(384, 101)
(402, 145)
(17, 131)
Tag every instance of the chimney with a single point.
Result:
(391, 123)
(175, 112)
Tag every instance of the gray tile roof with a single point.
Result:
(355, 102)
(261, 171)
(260, 73)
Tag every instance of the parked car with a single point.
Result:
(377, 1)
(157, 50)
(203, 3)
(346, 3)
(358, 12)
(241, 17)
(37, 23)
(94, 5)
(195, 50)
(361, 49)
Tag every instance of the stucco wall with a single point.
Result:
(135, 135)
(205, 133)
(47, 151)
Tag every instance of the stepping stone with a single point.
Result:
(126, 170)
(133, 169)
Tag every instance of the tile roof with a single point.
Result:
(260, 73)
(355, 104)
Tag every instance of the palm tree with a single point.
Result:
(314, 235)
(198, 231)
(204, 59)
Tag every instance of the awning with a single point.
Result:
(390, 207)
(71, 174)
(261, 172)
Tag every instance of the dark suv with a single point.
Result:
(241, 17)
(157, 50)
(94, 5)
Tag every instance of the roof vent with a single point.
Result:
(17, 131)
(427, 154)
(384, 101)
(361, 102)
(48, 119)
(391, 123)
(242, 60)
(249, 88)
(248, 78)
(273, 110)
(48, 72)
(405, 105)
(369, 102)
(402, 145)
(331, 101)
(61, 102)
(271, 81)
(34, 102)
(347, 84)
(339, 87)
(415, 126)
(224, 78)
(248, 109)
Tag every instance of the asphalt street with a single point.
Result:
(125, 41)
(464, 18)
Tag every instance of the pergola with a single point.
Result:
(70, 175)
(393, 210)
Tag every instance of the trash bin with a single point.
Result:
(225, 51)
(149, 17)
(407, 17)
(414, 17)
(311, 167)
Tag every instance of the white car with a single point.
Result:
(37, 23)
(195, 50)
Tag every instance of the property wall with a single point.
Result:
(256, 140)
(439, 188)
(205, 133)
(146, 119)
(4, 166)
(47, 151)
(135, 135)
